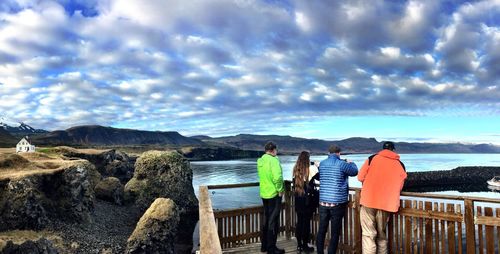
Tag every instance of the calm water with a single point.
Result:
(244, 171)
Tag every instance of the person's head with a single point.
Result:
(334, 149)
(388, 145)
(301, 171)
(271, 148)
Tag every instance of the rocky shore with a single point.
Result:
(218, 153)
(74, 201)
(108, 231)
(463, 179)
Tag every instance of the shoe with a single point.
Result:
(306, 248)
(299, 249)
(263, 249)
(276, 251)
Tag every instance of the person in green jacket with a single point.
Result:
(271, 189)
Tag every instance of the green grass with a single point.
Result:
(46, 150)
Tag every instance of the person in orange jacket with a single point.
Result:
(383, 176)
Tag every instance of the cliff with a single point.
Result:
(31, 200)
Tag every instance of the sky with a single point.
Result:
(426, 71)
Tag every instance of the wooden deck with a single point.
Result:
(425, 223)
(290, 246)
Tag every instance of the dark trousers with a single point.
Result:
(270, 226)
(334, 215)
(303, 228)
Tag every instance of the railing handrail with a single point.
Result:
(234, 185)
(209, 238)
(404, 193)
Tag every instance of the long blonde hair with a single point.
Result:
(301, 172)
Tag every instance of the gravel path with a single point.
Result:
(108, 232)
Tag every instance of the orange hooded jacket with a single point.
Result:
(383, 178)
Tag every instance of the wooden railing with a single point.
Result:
(426, 223)
(209, 239)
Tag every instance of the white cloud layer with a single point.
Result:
(229, 66)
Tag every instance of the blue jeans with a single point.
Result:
(334, 215)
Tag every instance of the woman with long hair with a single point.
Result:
(302, 208)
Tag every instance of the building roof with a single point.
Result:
(27, 139)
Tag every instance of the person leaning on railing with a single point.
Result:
(333, 197)
(303, 195)
(383, 176)
(271, 188)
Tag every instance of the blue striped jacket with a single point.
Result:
(333, 176)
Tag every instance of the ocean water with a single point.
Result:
(245, 171)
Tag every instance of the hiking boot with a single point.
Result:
(299, 249)
(306, 248)
(276, 251)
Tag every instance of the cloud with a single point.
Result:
(243, 66)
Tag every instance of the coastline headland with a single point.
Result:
(463, 179)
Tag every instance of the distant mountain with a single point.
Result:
(6, 139)
(22, 129)
(106, 136)
(289, 144)
(95, 135)
(201, 137)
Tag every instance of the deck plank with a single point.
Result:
(290, 246)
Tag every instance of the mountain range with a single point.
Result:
(6, 139)
(289, 144)
(95, 135)
(18, 129)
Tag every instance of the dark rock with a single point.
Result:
(110, 189)
(109, 162)
(23, 204)
(461, 179)
(76, 196)
(168, 175)
(41, 246)
(66, 194)
(155, 232)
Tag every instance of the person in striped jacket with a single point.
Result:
(333, 196)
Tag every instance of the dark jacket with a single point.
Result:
(307, 202)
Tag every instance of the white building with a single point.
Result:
(25, 146)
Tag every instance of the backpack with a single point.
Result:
(372, 156)
(312, 194)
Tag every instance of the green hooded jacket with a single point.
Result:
(270, 176)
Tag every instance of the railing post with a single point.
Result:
(209, 238)
(357, 222)
(288, 210)
(470, 233)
